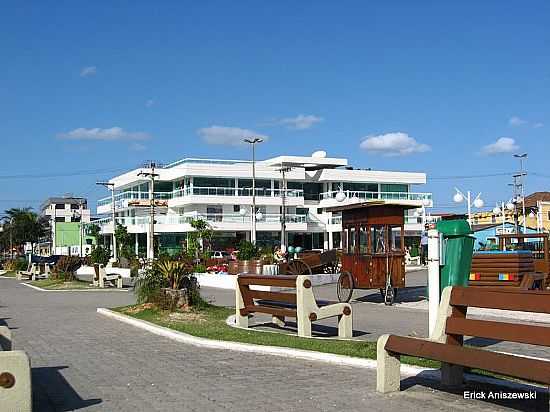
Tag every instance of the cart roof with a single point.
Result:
(372, 203)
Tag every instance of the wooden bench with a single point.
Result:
(41, 271)
(282, 304)
(506, 269)
(101, 276)
(27, 273)
(15, 376)
(446, 344)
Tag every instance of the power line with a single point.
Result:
(46, 176)
(468, 176)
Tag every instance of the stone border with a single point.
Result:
(75, 290)
(340, 360)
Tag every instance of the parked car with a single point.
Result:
(220, 254)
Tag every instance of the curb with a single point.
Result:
(340, 360)
(73, 290)
(330, 358)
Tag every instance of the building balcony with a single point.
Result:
(218, 222)
(328, 199)
(240, 196)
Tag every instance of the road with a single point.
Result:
(83, 361)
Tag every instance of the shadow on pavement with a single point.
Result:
(404, 295)
(431, 380)
(52, 392)
(317, 330)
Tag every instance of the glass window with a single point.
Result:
(396, 238)
(394, 188)
(351, 241)
(363, 240)
(378, 239)
(59, 206)
(214, 213)
(345, 241)
(312, 191)
(213, 182)
(336, 236)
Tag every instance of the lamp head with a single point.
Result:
(458, 197)
(340, 196)
(479, 203)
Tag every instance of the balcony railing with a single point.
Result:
(209, 217)
(119, 197)
(364, 195)
(231, 191)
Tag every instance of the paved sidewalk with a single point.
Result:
(83, 361)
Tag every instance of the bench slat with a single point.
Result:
(509, 365)
(275, 311)
(524, 301)
(279, 280)
(509, 332)
(274, 296)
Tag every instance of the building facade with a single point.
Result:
(300, 188)
(68, 215)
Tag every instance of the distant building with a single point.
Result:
(537, 210)
(67, 214)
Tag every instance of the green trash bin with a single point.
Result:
(458, 247)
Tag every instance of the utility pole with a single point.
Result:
(111, 187)
(253, 141)
(522, 174)
(151, 175)
(283, 170)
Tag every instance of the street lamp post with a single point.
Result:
(111, 187)
(521, 158)
(253, 141)
(459, 197)
(283, 170)
(152, 175)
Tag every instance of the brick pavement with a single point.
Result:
(83, 361)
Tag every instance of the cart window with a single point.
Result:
(363, 240)
(378, 239)
(345, 241)
(351, 241)
(396, 238)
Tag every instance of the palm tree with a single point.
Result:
(24, 225)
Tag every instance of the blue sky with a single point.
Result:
(88, 89)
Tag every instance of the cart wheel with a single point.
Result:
(344, 287)
(299, 267)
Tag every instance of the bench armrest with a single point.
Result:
(16, 395)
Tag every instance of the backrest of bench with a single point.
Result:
(245, 281)
(458, 325)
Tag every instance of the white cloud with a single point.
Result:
(88, 71)
(502, 145)
(301, 122)
(538, 125)
(516, 121)
(230, 136)
(393, 144)
(150, 102)
(111, 134)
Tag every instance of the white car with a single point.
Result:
(219, 254)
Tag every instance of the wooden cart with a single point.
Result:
(310, 262)
(373, 254)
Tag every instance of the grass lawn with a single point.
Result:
(58, 284)
(210, 323)
(10, 274)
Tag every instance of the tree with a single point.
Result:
(124, 241)
(24, 225)
(196, 240)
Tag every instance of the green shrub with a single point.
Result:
(199, 268)
(100, 255)
(247, 251)
(15, 265)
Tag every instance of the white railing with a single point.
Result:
(364, 195)
(232, 191)
(335, 220)
(120, 197)
(209, 217)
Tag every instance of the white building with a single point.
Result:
(220, 191)
(66, 215)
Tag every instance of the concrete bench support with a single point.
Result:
(15, 376)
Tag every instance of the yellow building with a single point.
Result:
(537, 209)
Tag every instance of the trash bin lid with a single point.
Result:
(454, 227)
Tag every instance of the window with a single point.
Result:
(393, 188)
(213, 182)
(214, 213)
(378, 239)
(60, 206)
(336, 236)
(396, 238)
(59, 219)
(312, 191)
(363, 240)
(319, 211)
(361, 187)
(302, 210)
(345, 241)
(236, 208)
(75, 206)
(351, 241)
